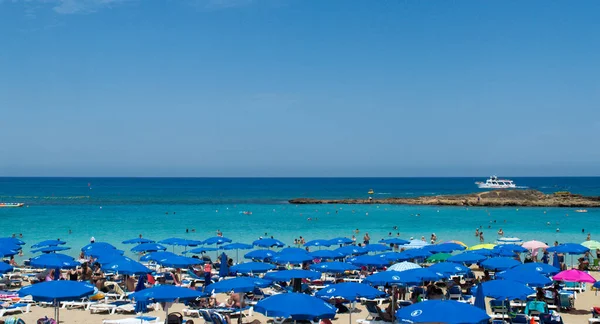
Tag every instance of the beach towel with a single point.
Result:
(13, 320)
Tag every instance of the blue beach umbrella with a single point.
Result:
(103, 253)
(236, 246)
(57, 291)
(289, 250)
(7, 252)
(48, 243)
(332, 267)
(263, 255)
(442, 311)
(200, 250)
(97, 245)
(155, 256)
(466, 258)
(511, 248)
(531, 278)
(293, 258)
(499, 263)
(268, 242)
(506, 289)
(417, 276)
(444, 248)
(50, 249)
(318, 243)
(340, 240)
(178, 261)
(218, 240)
(11, 241)
(449, 268)
(287, 275)
(325, 254)
(295, 306)
(166, 294)
(138, 240)
(350, 250)
(376, 248)
(396, 241)
(350, 291)
(484, 252)
(53, 261)
(384, 278)
(237, 285)
(415, 254)
(148, 247)
(504, 253)
(180, 242)
(224, 269)
(571, 248)
(252, 267)
(369, 260)
(5, 267)
(391, 256)
(126, 266)
(538, 267)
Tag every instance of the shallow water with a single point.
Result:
(113, 210)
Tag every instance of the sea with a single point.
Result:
(244, 209)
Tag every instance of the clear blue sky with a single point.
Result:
(299, 88)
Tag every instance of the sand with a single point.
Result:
(579, 315)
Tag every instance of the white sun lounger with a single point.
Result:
(134, 320)
(15, 308)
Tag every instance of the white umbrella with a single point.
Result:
(403, 266)
(534, 245)
(415, 244)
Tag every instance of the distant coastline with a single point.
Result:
(495, 198)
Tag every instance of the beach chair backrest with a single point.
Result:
(520, 319)
(218, 318)
(372, 309)
(174, 318)
(206, 315)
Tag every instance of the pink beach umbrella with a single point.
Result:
(574, 275)
(534, 245)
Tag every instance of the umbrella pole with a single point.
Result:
(393, 303)
(56, 311)
(240, 315)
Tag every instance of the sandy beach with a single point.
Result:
(579, 315)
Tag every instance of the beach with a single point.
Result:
(580, 315)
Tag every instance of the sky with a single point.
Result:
(299, 88)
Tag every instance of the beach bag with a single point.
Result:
(46, 320)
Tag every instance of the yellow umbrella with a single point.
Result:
(458, 242)
(592, 245)
(488, 246)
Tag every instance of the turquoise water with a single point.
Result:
(114, 210)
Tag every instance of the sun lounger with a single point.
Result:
(84, 303)
(135, 320)
(15, 308)
(107, 307)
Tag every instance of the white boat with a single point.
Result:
(494, 183)
(11, 205)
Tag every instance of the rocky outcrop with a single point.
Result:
(496, 198)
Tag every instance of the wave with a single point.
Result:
(383, 193)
